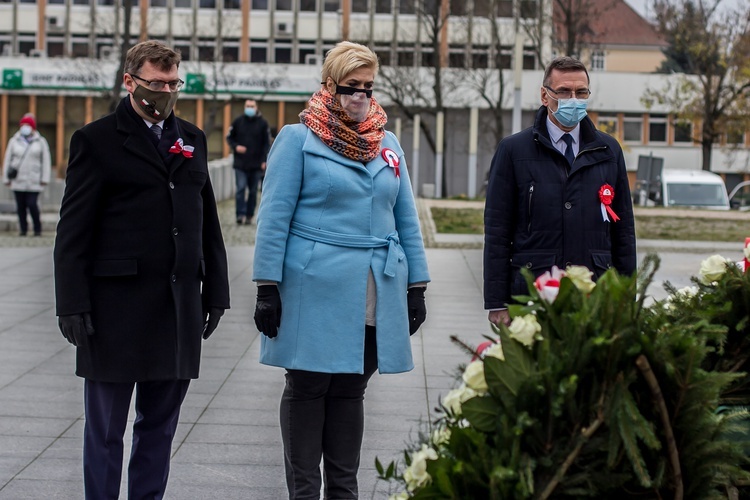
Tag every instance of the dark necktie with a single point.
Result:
(156, 129)
(568, 140)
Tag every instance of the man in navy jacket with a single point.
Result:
(558, 195)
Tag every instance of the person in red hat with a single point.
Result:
(27, 169)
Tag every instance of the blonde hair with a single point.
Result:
(346, 57)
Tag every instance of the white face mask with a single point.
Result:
(26, 130)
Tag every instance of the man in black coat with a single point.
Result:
(250, 140)
(558, 195)
(140, 272)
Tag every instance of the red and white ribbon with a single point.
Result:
(391, 157)
(606, 195)
(180, 147)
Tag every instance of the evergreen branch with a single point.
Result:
(586, 434)
(645, 367)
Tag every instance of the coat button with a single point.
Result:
(175, 231)
(171, 185)
(528, 265)
(174, 278)
(568, 205)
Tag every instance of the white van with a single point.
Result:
(693, 188)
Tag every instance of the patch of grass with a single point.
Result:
(458, 220)
(470, 221)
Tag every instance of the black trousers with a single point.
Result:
(322, 415)
(26, 201)
(157, 406)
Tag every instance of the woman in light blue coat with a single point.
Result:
(341, 270)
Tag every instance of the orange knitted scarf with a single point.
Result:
(359, 141)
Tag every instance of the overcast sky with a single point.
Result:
(644, 7)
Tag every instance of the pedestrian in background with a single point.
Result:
(341, 270)
(250, 139)
(558, 195)
(27, 169)
(140, 272)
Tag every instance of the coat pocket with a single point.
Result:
(535, 262)
(119, 267)
(602, 262)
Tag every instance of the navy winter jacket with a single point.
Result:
(542, 212)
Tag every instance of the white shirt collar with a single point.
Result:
(149, 124)
(555, 133)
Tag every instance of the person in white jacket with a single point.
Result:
(27, 169)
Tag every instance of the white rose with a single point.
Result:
(581, 277)
(474, 376)
(524, 329)
(416, 474)
(399, 496)
(441, 435)
(687, 292)
(496, 351)
(713, 268)
(746, 251)
(455, 398)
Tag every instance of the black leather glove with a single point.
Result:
(211, 319)
(416, 307)
(76, 328)
(268, 310)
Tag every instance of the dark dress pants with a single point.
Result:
(27, 202)
(246, 197)
(157, 406)
(322, 414)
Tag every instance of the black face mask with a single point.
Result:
(157, 105)
(352, 91)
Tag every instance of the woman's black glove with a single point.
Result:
(76, 328)
(416, 307)
(268, 310)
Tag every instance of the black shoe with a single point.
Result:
(22, 234)
(241, 220)
(37, 234)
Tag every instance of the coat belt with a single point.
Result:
(353, 241)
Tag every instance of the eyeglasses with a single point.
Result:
(158, 85)
(569, 94)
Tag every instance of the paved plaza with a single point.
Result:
(228, 444)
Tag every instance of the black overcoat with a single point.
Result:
(541, 212)
(139, 246)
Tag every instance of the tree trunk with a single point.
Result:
(114, 99)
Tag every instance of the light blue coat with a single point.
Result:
(324, 221)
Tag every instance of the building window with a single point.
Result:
(54, 49)
(258, 54)
(657, 128)
(183, 4)
(283, 55)
(231, 4)
(105, 2)
(359, 5)
(331, 5)
(158, 3)
(184, 50)
(230, 54)
(406, 6)
(206, 53)
(284, 5)
(384, 55)
(683, 132)
(80, 49)
(207, 4)
(383, 6)
(405, 58)
(735, 135)
(632, 128)
(528, 9)
(607, 124)
(260, 5)
(307, 5)
(597, 60)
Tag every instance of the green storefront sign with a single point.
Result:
(12, 79)
(195, 83)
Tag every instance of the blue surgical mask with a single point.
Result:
(250, 112)
(570, 112)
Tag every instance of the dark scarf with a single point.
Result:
(359, 141)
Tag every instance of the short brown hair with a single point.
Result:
(346, 57)
(153, 51)
(566, 65)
